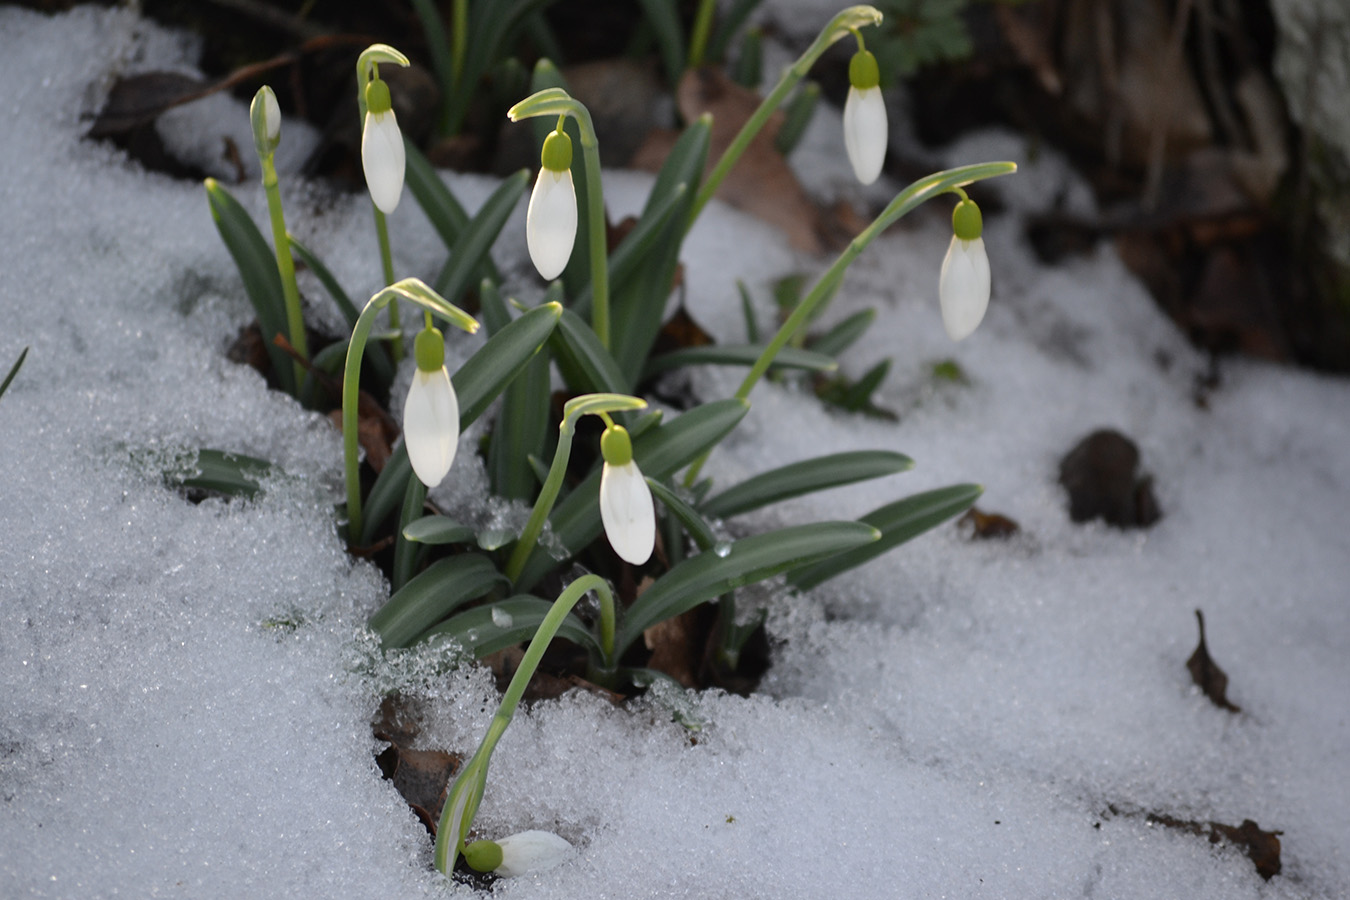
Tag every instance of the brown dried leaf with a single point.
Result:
(761, 183)
(1208, 676)
(1263, 847)
(421, 776)
(140, 99)
(677, 647)
(984, 526)
(376, 430)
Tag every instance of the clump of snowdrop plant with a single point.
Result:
(963, 285)
(478, 590)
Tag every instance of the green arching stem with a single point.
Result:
(594, 404)
(557, 102)
(464, 796)
(848, 21)
(698, 37)
(295, 323)
(415, 291)
(920, 191)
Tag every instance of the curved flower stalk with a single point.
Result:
(265, 119)
(465, 794)
(920, 191)
(626, 507)
(557, 102)
(551, 222)
(519, 854)
(412, 290)
(963, 285)
(593, 404)
(865, 129)
(431, 411)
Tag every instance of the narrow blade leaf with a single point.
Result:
(438, 591)
(487, 629)
(805, 477)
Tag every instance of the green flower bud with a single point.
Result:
(557, 154)
(377, 97)
(483, 856)
(863, 72)
(967, 223)
(429, 350)
(616, 446)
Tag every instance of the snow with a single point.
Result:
(186, 691)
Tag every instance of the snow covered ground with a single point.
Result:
(959, 718)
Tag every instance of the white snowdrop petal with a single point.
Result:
(271, 116)
(865, 132)
(963, 287)
(383, 160)
(627, 512)
(551, 222)
(531, 851)
(431, 425)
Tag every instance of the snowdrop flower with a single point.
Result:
(519, 854)
(963, 287)
(625, 500)
(265, 118)
(551, 222)
(865, 131)
(431, 412)
(382, 148)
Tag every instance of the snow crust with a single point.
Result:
(186, 691)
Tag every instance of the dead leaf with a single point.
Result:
(376, 430)
(1263, 847)
(420, 776)
(984, 526)
(1208, 676)
(761, 183)
(140, 99)
(677, 647)
(1100, 474)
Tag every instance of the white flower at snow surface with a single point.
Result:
(865, 129)
(431, 412)
(519, 854)
(382, 156)
(963, 286)
(626, 507)
(551, 221)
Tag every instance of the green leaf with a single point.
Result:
(898, 522)
(799, 111)
(485, 374)
(689, 517)
(232, 474)
(746, 561)
(738, 355)
(842, 336)
(658, 452)
(585, 364)
(487, 629)
(632, 251)
(858, 396)
(748, 312)
(13, 370)
(805, 477)
(407, 554)
(472, 247)
(424, 601)
(669, 34)
(437, 530)
(727, 26)
(748, 70)
(258, 268)
(387, 492)
(445, 213)
(380, 366)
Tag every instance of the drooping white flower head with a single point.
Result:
(382, 156)
(431, 412)
(963, 286)
(551, 221)
(865, 128)
(626, 507)
(519, 854)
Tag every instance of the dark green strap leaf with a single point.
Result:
(232, 474)
(438, 530)
(485, 374)
(842, 336)
(375, 357)
(805, 477)
(487, 629)
(469, 251)
(585, 364)
(898, 522)
(688, 516)
(438, 591)
(257, 266)
(742, 562)
(737, 355)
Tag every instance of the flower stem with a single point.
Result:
(846, 22)
(698, 36)
(295, 323)
(461, 802)
(920, 191)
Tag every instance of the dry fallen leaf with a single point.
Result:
(984, 526)
(1208, 676)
